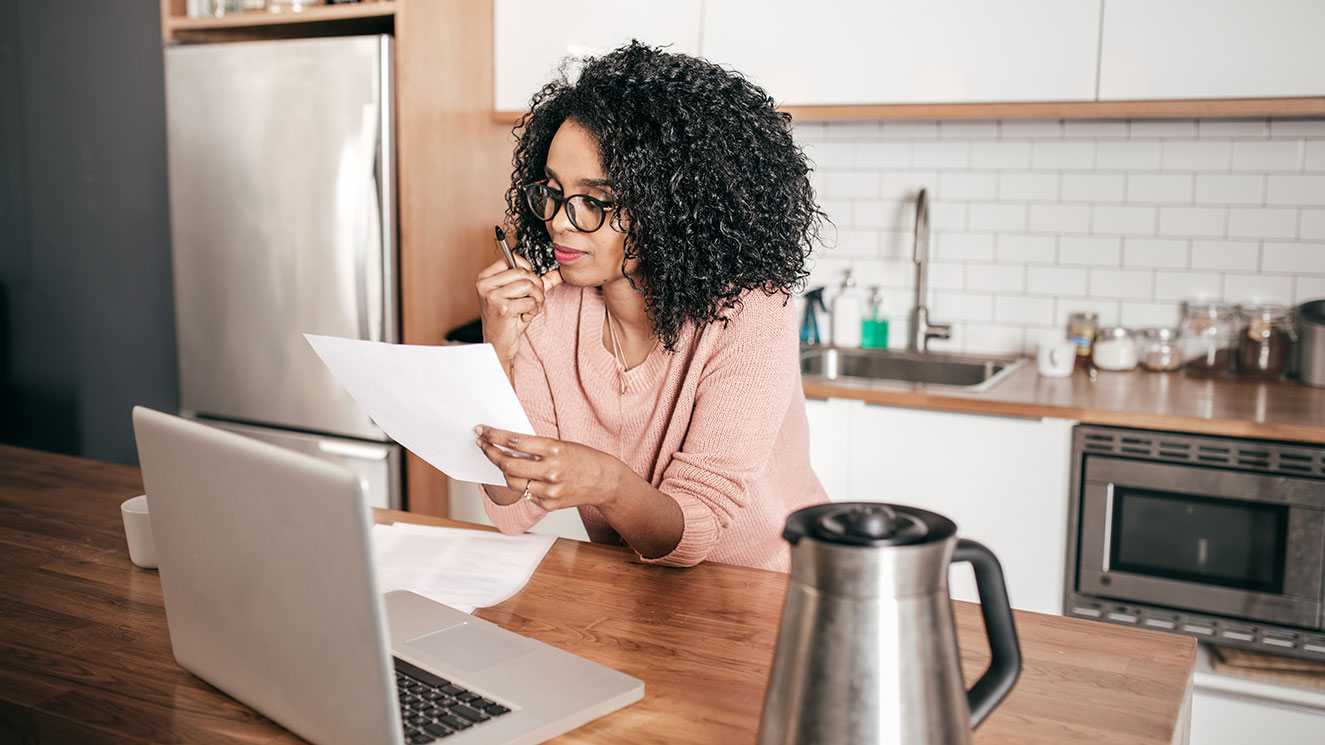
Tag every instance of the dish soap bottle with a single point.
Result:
(846, 313)
(874, 327)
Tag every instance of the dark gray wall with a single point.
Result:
(86, 315)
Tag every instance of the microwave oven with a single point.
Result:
(1218, 538)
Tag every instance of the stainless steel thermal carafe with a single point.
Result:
(867, 650)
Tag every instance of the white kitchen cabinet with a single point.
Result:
(1211, 49)
(532, 38)
(1224, 719)
(1003, 480)
(889, 52)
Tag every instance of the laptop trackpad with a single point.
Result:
(469, 647)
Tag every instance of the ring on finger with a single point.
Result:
(527, 496)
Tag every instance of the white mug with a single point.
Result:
(138, 532)
(1055, 359)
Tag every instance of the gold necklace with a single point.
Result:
(618, 352)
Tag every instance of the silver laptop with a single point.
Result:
(266, 567)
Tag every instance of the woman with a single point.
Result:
(658, 361)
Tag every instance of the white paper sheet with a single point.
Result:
(465, 569)
(429, 399)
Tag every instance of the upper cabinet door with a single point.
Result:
(921, 51)
(531, 39)
(1212, 49)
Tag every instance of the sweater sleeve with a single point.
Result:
(531, 387)
(745, 389)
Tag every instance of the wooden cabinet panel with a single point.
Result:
(1180, 49)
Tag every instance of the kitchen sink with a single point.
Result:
(966, 372)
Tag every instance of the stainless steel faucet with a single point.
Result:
(921, 330)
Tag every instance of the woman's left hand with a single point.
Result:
(561, 474)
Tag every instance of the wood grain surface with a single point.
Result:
(1230, 406)
(85, 651)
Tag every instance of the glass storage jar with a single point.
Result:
(1114, 349)
(1265, 333)
(1081, 330)
(1208, 328)
(1160, 350)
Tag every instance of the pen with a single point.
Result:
(505, 250)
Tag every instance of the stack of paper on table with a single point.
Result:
(465, 569)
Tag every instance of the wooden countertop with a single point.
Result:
(1230, 406)
(85, 652)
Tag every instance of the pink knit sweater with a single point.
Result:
(719, 426)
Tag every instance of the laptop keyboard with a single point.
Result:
(432, 708)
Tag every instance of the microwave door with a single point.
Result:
(1200, 539)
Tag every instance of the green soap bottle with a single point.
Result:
(874, 326)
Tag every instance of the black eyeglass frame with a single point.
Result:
(564, 201)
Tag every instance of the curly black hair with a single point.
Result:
(716, 192)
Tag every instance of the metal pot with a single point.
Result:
(1309, 318)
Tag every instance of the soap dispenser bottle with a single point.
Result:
(846, 313)
(874, 327)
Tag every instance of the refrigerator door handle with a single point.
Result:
(368, 252)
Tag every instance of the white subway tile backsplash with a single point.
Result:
(1267, 156)
(1258, 288)
(883, 155)
(857, 184)
(1158, 253)
(1000, 155)
(1088, 129)
(1261, 223)
(1308, 288)
(1011, 217)
(959, 185)
(1039, 129)
(1127, 156)
(1138, 315)
(1183, 285)
(1089, 251)
(904, 130)
(1032, 311)
(986, 339)
(944, 154)
(1058, 281)
(996, 277)
(1061, 156)
(1232, 128)
(1093, 187)
(1142, 129)
(1226, 255)
(1192, 221)
(1028, 187)
(964, 246)
(1026, 249)
(1306, 190)
(1297, 128)
(1315, 155)
(1195, 156)
(1124, 220)
(962, 306)
(1031, 220)
(1294, 258)
(1173, 188)
(1224, 188)
(973, 129)
(1107, 310)
(1313, 224)
(1060, 218)
(1121, 283)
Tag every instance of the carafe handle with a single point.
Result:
(1005, 662)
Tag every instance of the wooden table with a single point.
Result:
(85, 653)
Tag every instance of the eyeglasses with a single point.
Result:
(585, 212)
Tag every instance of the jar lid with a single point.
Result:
(1264, 311)
(1210, 308)
(1113, 332)
(1160, 333)
(1084, 316)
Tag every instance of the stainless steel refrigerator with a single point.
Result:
(282, 208)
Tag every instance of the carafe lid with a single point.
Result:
(870, 524)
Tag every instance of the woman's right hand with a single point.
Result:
(508, 300)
